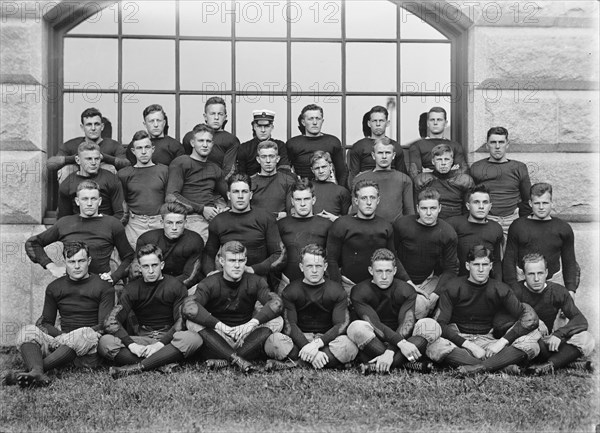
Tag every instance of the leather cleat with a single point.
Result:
(470, 370)
(419, 366)
(31, 379)
(274, 365)
(169, 368)
(587, 366)
(541, 369)
(127, 370)
(512, 369)
(217, 364)
(10, 378)
(242, 364)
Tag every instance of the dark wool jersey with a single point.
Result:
(331, 198)
(419, 154)
(425, 249)
(360, 159)
(452, 187)
(82, 303)
(144, 188)
(156, 305)
(101, 234)
(232, 302)
(111, 192)
(224, 151)
(246, 157)
(508, 183)
(182, 256)
(471, 307)
(295, 234)
(109, 148)
(256, 230)
(320, 309)
(488, 234)
(300, 149)
(195, 182)
(272, 193)
(390, 311)
(166, 149)
(395, 191)
(552, 238)
(351, 242)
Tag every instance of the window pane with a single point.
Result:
(316, 67)
(261, 18)
(148, 17)
(357, 106)
(248, 103)
(315, 19)
(371, 19)
(431, 73)
(194, 73)
(363, 74)
(103, 22)
(411, 108)
(149, 64)
(261, 66)
(332, 113)
(133, 109)
(205, 18)
(75, 103)
(412, 27)
(90, 64)
(192, 111)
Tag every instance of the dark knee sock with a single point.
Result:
(507, 356)
(460, 356)
(164, 356)
(374, 348)
(126, 357)
(63, 355)
(544, 352)
(215, 344)
(566, 354)
(253, 347)
(294, 353)
(32, 357)
(399, 357)
(333, 361)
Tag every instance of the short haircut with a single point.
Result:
(497, 130)
(364, 183)
(383, 141)
(533, 258)
(146, 250)
(173, 207)
(203, 127)
(478, 188)
(428, 194)
(437, 110)
(314, 249)
(440, 149)
(539, 189)
(87, 146)
(214, 100)
(88, 184)
(154, 108)
(72, 248)
(238, 177)
(267, 144)
(383, 254)
(234, 247)
(320, 154)
(140, 135)
(303, 184)
(479, 251)
(90, 112)
(379, 109)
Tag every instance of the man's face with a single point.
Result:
(541, 205)
(383, 155)
(202, 143)
(151, 267)
(383, 272)
(321, 169)
(535, 276)
(215, 115)
(443, 163)
(303, 202)
(143, 150)
(173, 225)
(313, 267)
(239, 195)
(479, 205)
(268, 159)
(479, 270)
(378, 123)
(92, 127)
(436, 123)
(155, 124)
(77, 265)
(428, 211)
(89, 161)
(497, 146)
(313, 122)
(366, 201)
(233, 265)
(88, 201)
(263, 132)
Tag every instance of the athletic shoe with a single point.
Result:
(11, 377)
(540, 369)
(587, 366)
(32, 379)
(169, 368)
(242, 364)
(217, 364)
(367, 369)
(470, 370)
(419, 366)
(127, 370)
(512, 369)
(274, 365)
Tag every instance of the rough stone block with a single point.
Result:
(20, 43)
(578, 118)
(23, 114)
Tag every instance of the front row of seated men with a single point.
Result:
(222, 321)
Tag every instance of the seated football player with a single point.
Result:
(333, 200)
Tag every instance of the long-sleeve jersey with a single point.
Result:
(273, 193)
(552, 238)
(425, 249)
(391, 311)
(419, 154)
(224, 151)
(156, 305)
(320, 309)
(471, 307)
(232, 302)
(452, 186)
(166, 149)
(144, 188)
(182, 256)
(109, 148)
(301, 147)
(246, 157)
(102, 234)
(331, 198)
(360, 158)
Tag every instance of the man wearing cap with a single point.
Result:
(262, 128)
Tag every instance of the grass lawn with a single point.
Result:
(195, 399)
